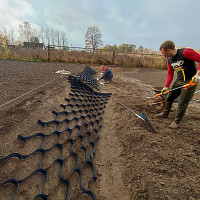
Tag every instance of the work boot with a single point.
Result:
(161, 115)
(174, 125)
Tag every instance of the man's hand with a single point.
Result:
(196, 79)
(164, 90)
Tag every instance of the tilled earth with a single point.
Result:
(130, 161)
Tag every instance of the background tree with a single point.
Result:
(126, 47)
(108, 47)
(52, 36)
(25, 31)
(8, 35)
(34, 40)
(141, 48)
(12, 36)
(93, 37)
(57, 38)
(3, 40)
(41, 33)
(63, 38)
(36, 33)
(148, 50)
(115, 47)
(121, 47)
(4, 34)
(47, 35)
(133, 47)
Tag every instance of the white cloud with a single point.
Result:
(145, 22)
(14, 12)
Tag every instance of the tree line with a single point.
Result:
(48, 36)
(52, 36)
(93, 39)
(126, 48)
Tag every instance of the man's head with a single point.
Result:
(167, 49)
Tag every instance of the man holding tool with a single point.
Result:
(183, 62)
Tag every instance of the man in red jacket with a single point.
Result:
(183, 62)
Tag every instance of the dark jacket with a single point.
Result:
(107, 74)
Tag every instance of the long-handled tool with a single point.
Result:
(184, 86)
(142, 117)
(196, 101)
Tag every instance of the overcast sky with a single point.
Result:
(140, 22)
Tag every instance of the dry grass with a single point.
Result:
(97, 57)
(140, 60)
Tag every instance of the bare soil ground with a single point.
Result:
(131, 162)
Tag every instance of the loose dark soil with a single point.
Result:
(131, 162)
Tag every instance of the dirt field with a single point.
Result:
(131, 162)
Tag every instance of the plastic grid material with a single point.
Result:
(87, 76)
(80, 128)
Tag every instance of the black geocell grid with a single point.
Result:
(85, 108)
(87, 76)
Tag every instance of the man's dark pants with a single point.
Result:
(184, 97)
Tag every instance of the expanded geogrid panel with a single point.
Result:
(87, 76)
(76, 131)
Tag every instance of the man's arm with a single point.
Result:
(170, 75)
(102, 76)
(198, 73)
(192, 55)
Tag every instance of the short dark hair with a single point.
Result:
(167, 45)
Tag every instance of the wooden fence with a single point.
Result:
(84, 55)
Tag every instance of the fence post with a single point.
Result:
(113, 57)
(48, 53)
(93, 49)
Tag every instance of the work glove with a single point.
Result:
(164, 90)
(195, 78)
(97, 79)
